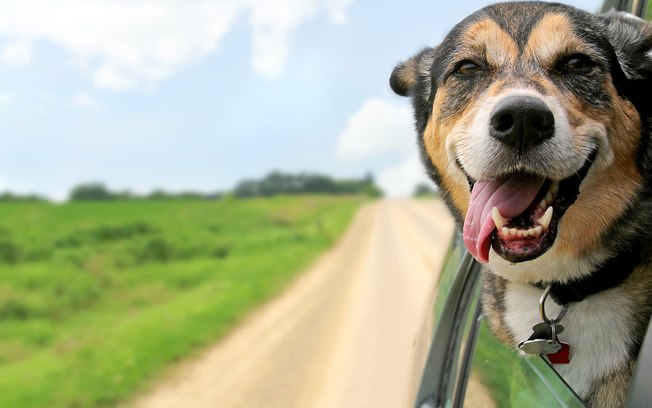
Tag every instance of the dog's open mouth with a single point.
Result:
(518, 214)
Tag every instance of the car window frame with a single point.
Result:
(453, 345)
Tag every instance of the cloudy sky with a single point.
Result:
(196, 95)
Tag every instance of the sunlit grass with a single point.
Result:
(97, 298)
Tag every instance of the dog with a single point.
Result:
(534, 120)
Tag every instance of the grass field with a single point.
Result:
(97, 298)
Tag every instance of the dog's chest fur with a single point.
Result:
(600, 321)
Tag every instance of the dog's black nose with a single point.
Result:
(522, 122)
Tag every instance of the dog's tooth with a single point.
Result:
(512, 232)
(530, 232)
(554, 187)
(505, 231)
(538, 230)
(520, 233)
(545, 220)
(549, 197)
(543, 205)
(499, 220)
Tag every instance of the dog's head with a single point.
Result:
(531, 119)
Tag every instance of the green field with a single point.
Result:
(97, 298)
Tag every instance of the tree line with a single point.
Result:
(305, 183)
(96, 191)
(274, 183)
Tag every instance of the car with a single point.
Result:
(458, 362)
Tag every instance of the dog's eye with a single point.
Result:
(467, 68)
(578, 64)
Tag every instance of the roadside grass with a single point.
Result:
(97, 298)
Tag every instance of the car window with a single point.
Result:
(453, 335)
(499, 377)
(466, 366)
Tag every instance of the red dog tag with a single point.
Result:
(562, 356)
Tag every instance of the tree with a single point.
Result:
(425, 190)
(304, 183)
(91, 192)
(8, 196)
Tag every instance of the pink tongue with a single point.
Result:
(511, 197)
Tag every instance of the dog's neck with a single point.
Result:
(607, 275)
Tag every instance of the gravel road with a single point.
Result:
(341, 336)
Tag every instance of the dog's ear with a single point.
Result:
(631, 38)
(409, 75)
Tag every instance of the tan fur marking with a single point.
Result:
(541, 81)
(489, 40)
(609, 191)
(576, 116)
(434, 138)
(495, 88)
(551, 37)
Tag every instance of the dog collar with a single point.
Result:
(608, 275)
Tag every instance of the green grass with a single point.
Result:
(97, 298)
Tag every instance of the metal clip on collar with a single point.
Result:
(542, 309)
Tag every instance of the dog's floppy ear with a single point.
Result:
(631, 38)
(407, 76)
(404, 77)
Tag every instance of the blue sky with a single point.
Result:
(197, 95)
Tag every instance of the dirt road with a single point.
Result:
(341, 336)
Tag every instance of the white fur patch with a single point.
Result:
(551, 266)
(596, 329)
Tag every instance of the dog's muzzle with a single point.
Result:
(521, 122)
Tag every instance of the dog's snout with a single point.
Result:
(522, 122)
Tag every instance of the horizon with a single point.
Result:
(215, 193)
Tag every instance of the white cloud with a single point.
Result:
(337, 9)
(273, 22)
(384, 128)
(17, 53)
(377, 128)
(402, 178)
(122, 44)
(85, 101)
